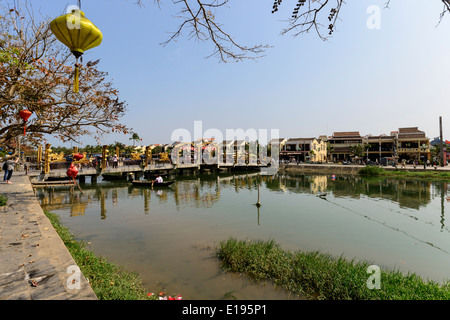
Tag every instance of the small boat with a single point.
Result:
(153, 184)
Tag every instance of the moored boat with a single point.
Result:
(153, 184)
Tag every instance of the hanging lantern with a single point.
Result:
(72, 171)
(78, 156)
(25, 114)
(79, 34)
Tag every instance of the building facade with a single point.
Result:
(408, 144)
(304, 150)
(413, 144)
(381, 147)
(341, 143)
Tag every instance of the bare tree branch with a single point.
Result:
(199, 18)
(308, 14)
(445, 10)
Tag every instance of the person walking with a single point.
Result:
(115, 161)
(10, 164)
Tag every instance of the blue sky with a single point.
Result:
(371, 81)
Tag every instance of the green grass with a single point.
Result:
(317, 275)
(430, 174)
(371, 171)
(3, 200)
(401, 173)
(109, 281)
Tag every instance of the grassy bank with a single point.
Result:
(109, 281)
(319, 276)
(401, 173)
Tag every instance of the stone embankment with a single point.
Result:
(34, 262)
(329, 168)
(319, 168)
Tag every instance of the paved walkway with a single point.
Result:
(34, 262)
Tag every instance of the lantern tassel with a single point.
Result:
(24, 129)
(77, 78)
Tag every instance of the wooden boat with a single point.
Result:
(153, 184)
(153, 176)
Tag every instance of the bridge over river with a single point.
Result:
(59, 171)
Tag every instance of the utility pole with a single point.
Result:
(441, 142)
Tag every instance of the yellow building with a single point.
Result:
(304, 150)
(413, 144)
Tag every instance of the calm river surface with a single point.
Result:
(168, 235)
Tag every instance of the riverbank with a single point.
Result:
(35, 264)
(438, 173)
(431, 174)
(40, 256)
(319, 276)
(109, 281)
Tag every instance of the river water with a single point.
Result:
(168, 235)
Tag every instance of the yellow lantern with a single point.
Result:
(78, 33)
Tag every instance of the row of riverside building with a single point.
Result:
(408, 144)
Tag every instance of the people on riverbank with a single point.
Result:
(9, 165)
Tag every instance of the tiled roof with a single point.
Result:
(409, 133)
(346, 134)
(409, 130)
(302, 140)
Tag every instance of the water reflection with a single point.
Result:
(411, 194)
(407, 193)
(205, 193)
(400, 223)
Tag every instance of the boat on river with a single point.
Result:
(153, 183)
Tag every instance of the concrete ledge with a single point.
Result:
(348, 169)
(35, 263)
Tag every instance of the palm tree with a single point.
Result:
(330, 150)
(135, 137)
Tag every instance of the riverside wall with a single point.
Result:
(34, 262)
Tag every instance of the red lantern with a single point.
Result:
(72, 171)
(78, 156)
(25, 114)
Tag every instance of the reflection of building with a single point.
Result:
(77, 209)
(304, 150)
(319, 184)
(413, 194)
(197, 194)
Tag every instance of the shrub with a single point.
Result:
(371, 171)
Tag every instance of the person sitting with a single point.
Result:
(159, 179)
